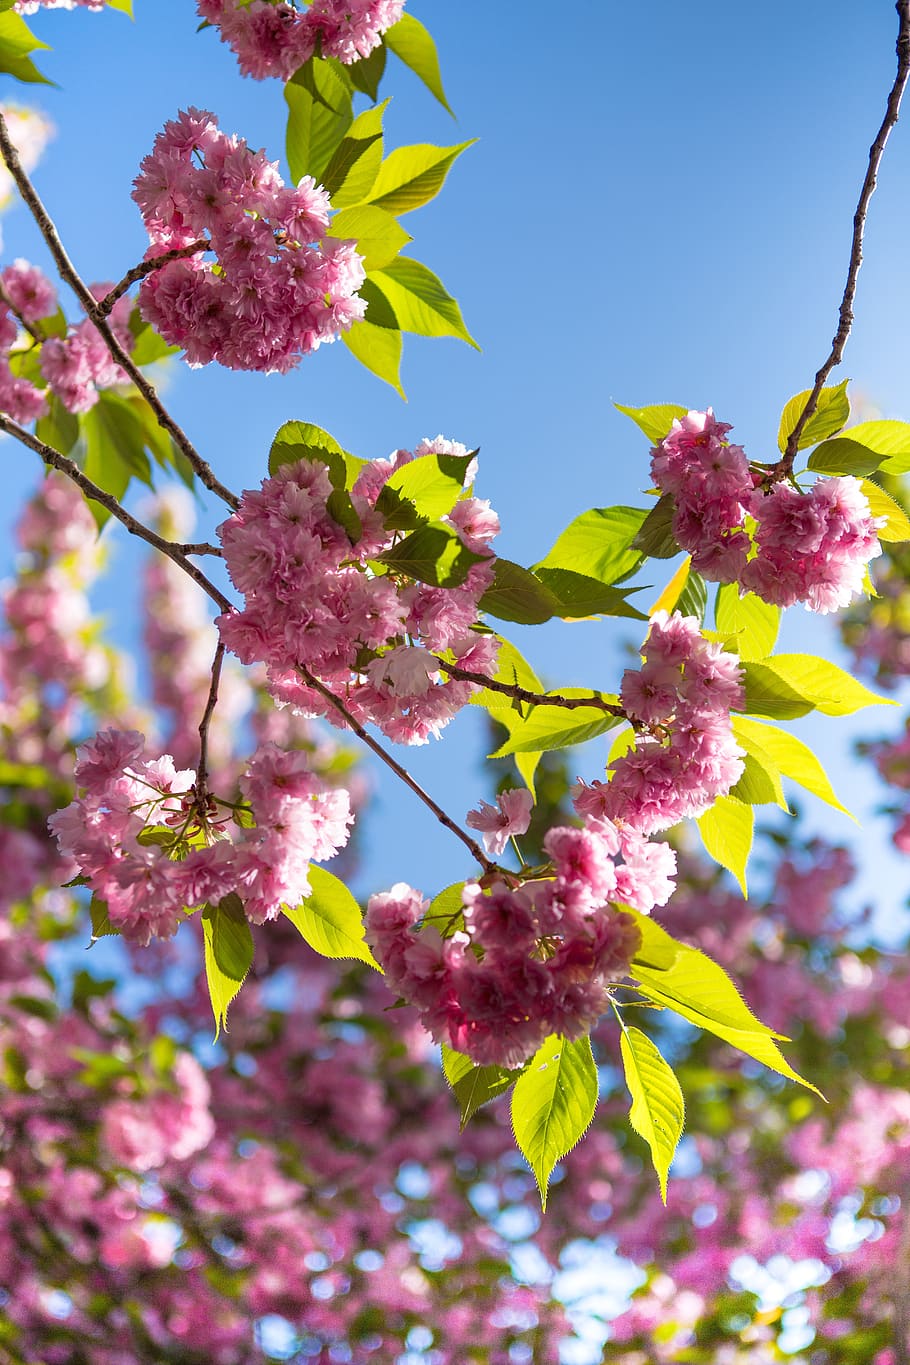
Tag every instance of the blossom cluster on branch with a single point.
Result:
(270, 39)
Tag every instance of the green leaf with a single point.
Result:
(658, 1110)
(420, 301)
(831, 412)
(354, 165)
(330, 920)
(767, 694)
(340, 508)
(16, 42)
(655, 421)
(754, 623)
(881, 504)
(726, 831)
(553, 1104)
(824, 686)
(411, 42)
(378, 349)
(31, 775)
(320, 112)
(693, 600)
(431, 486)
(695, 987)
(599, 544)
(115, 443)
(101, 920)
(60, 428)
(149, 347)
(555, 727)
(366, 73)
(473, 1085)
(790, 756)
(228, 946)
(656, 537)
(516, 594)
(760, 784)
(865, 448)
(378, 235)
(432, 554)
(125, 6)
(512, 668)
(579, 596)
(446, 911)
(305, 441)
(411, 176)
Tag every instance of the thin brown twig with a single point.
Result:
(92, 310)
(477, 852)
(107, 500)
(532, 698)
(784, 466)
(144, 268)
(202, 771)
(201, 547)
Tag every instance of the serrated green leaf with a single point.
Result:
(753, 623)
(599, 544)
(16, 42)
(228, 949)
(420, 301)
(474, 1086)
(378, 349)
(432, 554)
(305, 441)
(366, 73)
(320, 111)
(553, 1103)
(658, 1109)
(868, 446)
(115, 448)
(831, 412)
(60, 428)
(767, 694)
(826, 687)
(791, 757)
(445, 912)
(555, 727)
(693, 600)
(671, 594)
(655, 421)
(413, 45)
(378, 235)
(149, 347)
(412, 176)
(518, 595)
(760, 784)
(330, 920)
(354, 164)
(579, 596)
(881, 504)
(431, 484)
(101, 920)
(656, 538)
(726, 831)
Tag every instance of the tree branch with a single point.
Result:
(202, 770)
(477, 852)
(94, 313)
(532, 698)
(144, 268)
(177, 553)
(845, 317)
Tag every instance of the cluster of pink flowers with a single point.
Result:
(76, 366)
(278, 287)
(168, 1125)
(529, 961)
(310, 601)
(32, 6)
(808, 547)
(684, 755)
(277, 39)
(137, 816)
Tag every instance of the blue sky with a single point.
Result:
(658, 209)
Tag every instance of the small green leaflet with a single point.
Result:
(789, 756)
(555, 727)
(760, 784)
(378, 235)
(320, 111)
(726, 831)
(656, 538)
(863, 449)
(831, 412)
(881, 504)
(432, 554)
(691, 984)
(413, 45)
(752, 622)
(411, 176)
(823, 685)
(101, 920)
(228, 946)
(658, 1109)
(420, 301)
(599, 544)
(580, 597)
(516, 594)
(446, 911)
(512, 668)
(553, 1103)
(431, 485)
(378, 349)
(354, 165)
(16, 42)
(655, 421)
(305, 441)
(474, 1086)
(330, 920)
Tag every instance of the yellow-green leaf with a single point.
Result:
(412, 43)
(330, 919)
(789, 755)
(825, 686)
(658, 1110)
(726, 831)
(420, 301)
(881, 504)
(411, 176)
(752, 623)
(553, 1103)
(228, 950)
(831, 412)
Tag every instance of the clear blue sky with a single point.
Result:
(658, 209)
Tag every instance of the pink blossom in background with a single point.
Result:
(510, 816)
